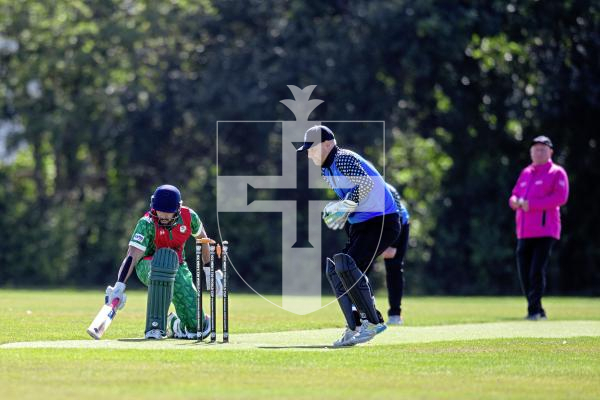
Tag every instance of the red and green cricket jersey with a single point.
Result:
(149, 236)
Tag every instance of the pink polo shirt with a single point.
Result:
(546, 188)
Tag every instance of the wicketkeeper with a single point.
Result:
(368, 213)
(156, 248)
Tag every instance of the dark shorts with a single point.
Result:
(401, 244)
(368, 239)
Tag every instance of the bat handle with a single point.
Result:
(115, 303)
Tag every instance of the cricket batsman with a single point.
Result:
(368, 213)
(156, 249)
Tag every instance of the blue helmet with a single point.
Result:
(166, 198)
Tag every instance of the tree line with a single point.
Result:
(101, 101)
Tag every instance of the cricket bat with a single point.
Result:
(102, 321)
(108, 311)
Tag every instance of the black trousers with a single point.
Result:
(367, 240)
(532, 261)
(394, 272)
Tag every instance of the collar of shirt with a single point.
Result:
(330, 158)
(543, 167)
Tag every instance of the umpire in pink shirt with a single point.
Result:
(541, 189)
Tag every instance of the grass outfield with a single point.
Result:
(449, 348)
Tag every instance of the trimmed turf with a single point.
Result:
(65, 314)
(462, 367)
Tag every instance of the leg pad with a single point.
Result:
(340, 293)
(164, 267)
(357, 286)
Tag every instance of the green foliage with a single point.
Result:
(418, 165)
(101, 101)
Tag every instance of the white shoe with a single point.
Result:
(173, 326)
(345, 340)
(395, 320)
(155, 334)
(206, 330)
(174, 329)
(367, 332)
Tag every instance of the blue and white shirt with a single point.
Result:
(404, 216)
(354, 178)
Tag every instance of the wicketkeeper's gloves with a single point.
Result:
(335, 214)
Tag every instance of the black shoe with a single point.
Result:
(534, 317)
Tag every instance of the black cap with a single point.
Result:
(316, 135)
(543, 140)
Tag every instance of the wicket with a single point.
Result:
(220, 250)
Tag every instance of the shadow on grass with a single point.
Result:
(316, 346)
(178, 342)
(194, 342)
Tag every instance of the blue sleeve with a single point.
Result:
(396, 195)
(404, 216)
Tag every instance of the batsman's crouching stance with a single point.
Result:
(156, 249)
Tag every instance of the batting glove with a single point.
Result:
(116, 292)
